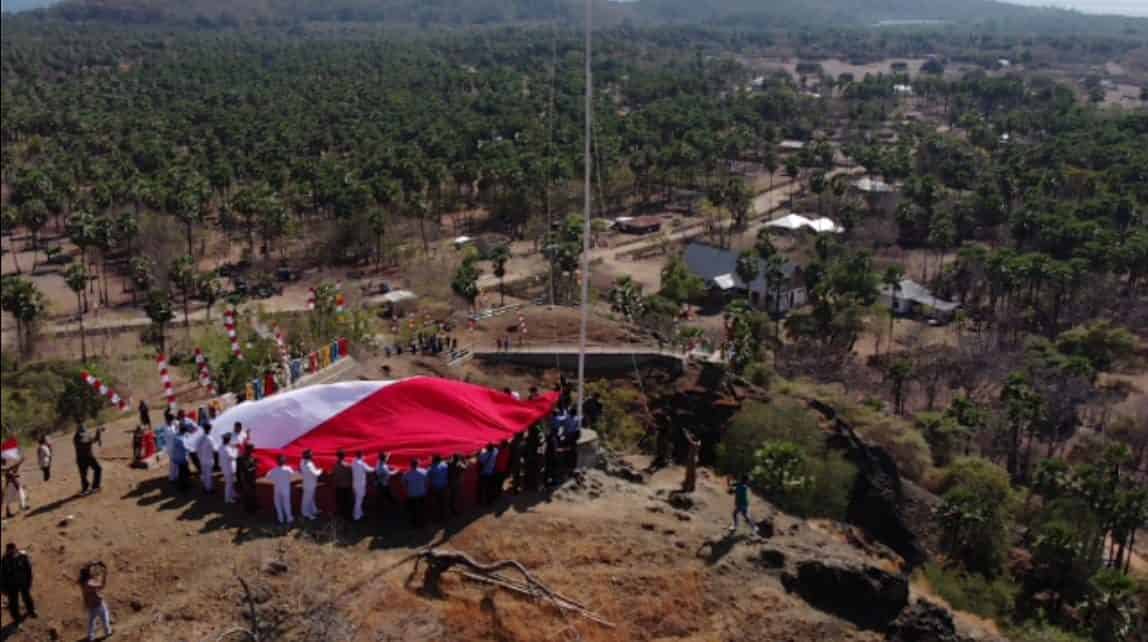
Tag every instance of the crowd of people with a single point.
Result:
(541, 456)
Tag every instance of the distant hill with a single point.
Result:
(740, 14)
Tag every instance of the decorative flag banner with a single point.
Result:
(229, 322)
(310, 298)
(104, 391)
(168, 391)
(204, 372)
(10, 451)
(409, 418)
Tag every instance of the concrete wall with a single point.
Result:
(596, 362)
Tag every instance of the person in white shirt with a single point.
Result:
(206, 452)
(359, 472)
(311, 474)
(281, 476)
(415, 484)
(44, 457)
(238, 435)
(171, 432)
(227, 456)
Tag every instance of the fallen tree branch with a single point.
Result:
(439, 562)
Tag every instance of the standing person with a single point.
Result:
(415, 484)
(550, 474)
(501, 468)
(741, 503)
(168, 415)
(190, 431)
(44, 457)
(93, 581)
(281, 477)
(592, 409)
(85, 442)
(517, 445)
(16, 576)
(179, 459)
(344, 496)
(439, 478)
(383, 473)
(238, 435)
(456, 474)
(145, 414)
(247, 474)
(14, 491)
(227, 456)
(166, 439)
(532, 458)
(693, 450)
(359, 472)
(137, 445)
(206, 452)
(488, 464)
(311, 474)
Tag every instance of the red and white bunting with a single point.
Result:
(204, 372)
(106, 392)
(165, 378)
(310, 298)
(232, 333)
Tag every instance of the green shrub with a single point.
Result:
(756, 423)
(44, 396)
(972, 592)
(759, 374)
(1042, 632)
(618, 426)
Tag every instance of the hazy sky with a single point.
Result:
(1121, 7)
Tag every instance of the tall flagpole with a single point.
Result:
(586, 222)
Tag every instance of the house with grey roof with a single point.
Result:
(910, 298)
(717, 267)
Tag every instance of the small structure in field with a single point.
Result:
(910, 298)
(795, 222)
(638, 224)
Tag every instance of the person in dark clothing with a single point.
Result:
(344, 491)
(456, 474)
(570, 438)
(532, 459)
(502, 467)
(85, 441)
(592, 410)
(168, 416)
(145, 414)
(247, 474)
(487, 473)
(551, 474)
(16, 577)
(516, 469)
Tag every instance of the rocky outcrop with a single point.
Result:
(923, 622)
(863, 594)
(876, 502)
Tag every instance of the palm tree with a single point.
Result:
(377, 221)
(898, 375)
(498, 259)
(158, 308)
(183, 276)
(747, 269)
(465, 282)
(34, 215)
(23, 301)
(9, 219)
(76, 277)
(892, 280)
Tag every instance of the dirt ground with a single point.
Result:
(617, 547)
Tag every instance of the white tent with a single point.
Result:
(797, 222)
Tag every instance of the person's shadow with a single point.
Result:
(719, 548)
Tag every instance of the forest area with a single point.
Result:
(136, 143)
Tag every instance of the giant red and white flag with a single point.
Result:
(417, 417)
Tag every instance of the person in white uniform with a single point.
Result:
(311, 474)
(281, 477)
(359, 472)
(206, 452)
(227, 456)
(170, 433)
